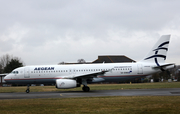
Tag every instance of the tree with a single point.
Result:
(9, 63)
(4, 60)
(161, 75)
(61, 63)
(1, 70)
(81, 61)
(14, 63)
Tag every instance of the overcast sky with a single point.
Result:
(52, 31)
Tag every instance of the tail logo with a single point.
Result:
(156, 55)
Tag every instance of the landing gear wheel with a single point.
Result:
(86, 89)
(27, 91)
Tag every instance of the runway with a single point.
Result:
(97, 93)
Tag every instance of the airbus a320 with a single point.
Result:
(72, 76)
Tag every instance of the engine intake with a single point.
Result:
(66, 83)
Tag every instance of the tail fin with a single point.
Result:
(158, 53)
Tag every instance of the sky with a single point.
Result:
(44, 32)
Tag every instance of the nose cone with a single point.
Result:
(6, 78)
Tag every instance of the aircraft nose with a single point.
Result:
(6, 78)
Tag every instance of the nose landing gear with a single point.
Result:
(27, 90)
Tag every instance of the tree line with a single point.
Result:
(9, 63)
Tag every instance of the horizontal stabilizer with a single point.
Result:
(163, 67)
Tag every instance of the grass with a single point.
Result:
(98, 105)
(91, 105)
(95, 87)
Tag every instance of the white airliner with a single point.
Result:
(71, 76)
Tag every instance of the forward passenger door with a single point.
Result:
(26, 72)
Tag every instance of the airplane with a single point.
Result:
(72, 76)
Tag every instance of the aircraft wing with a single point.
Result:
(84, 75)
(91, 74)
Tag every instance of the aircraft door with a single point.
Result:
(140, 69)
(26, 72)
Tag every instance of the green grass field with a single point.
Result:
(98, 105)
(94, 105)
(95, 87)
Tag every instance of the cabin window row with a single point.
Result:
(79, 70)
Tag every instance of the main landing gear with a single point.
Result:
(85, 88)
(27, 90)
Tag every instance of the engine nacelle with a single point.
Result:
(66, 83)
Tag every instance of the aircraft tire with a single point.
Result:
(86, 89)
(27, 90)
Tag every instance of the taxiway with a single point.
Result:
(98, 93)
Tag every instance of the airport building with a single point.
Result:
(108, 59)
(113, 59)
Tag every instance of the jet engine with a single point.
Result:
(66, 83)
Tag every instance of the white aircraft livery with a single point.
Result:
(72, 76)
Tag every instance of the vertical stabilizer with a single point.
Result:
(158, 53)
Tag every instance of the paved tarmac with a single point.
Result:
(97, 93)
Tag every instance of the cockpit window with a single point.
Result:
(14, 72)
